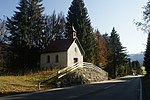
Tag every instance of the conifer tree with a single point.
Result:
(117, 56)
(78, 17)
(147, 56)
(146, 28)
(26, 29)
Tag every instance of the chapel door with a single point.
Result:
(75, 60)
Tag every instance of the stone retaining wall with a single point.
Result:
(83, 76)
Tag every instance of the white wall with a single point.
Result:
(65, 58)
(74, 54)
(62, 59)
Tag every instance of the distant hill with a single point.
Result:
(137, 56)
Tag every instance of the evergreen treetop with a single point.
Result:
(27, 23)
(26, 33)
(78, 17)
(118, 56)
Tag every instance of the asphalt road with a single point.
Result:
(128, 88)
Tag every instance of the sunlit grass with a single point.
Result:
(27, 83)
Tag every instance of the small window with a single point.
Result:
(56, 59)
(75, 49)
(48, 59)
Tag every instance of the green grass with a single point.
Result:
(26, 83)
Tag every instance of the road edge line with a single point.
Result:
(109, 86)
(141, 89)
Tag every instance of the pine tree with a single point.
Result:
(146, 28)
(26, 29)
(117, 56)
(78, 17)
(147, 56)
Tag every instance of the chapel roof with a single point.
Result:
(62, 45)
(58, 46)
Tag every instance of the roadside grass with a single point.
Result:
(27, 83)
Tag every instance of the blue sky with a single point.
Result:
(104, 15)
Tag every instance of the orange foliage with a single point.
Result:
(103, 50)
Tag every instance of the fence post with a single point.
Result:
(39, 85)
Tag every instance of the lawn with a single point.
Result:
(26, 83)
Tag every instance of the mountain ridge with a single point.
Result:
(137, 56)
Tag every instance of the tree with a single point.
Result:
(26, 32)
(78, 17)
(102, 49)
(4, 52)
(54, 27)
(96, 56)
(117, 56)
(145, 26)
(136, 67)
(147, 56)
(129, 64)
(3, 30)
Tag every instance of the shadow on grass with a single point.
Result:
(12, 93)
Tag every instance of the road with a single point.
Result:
(128, 88)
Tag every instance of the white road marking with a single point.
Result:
(140, 90)
(110, 86)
